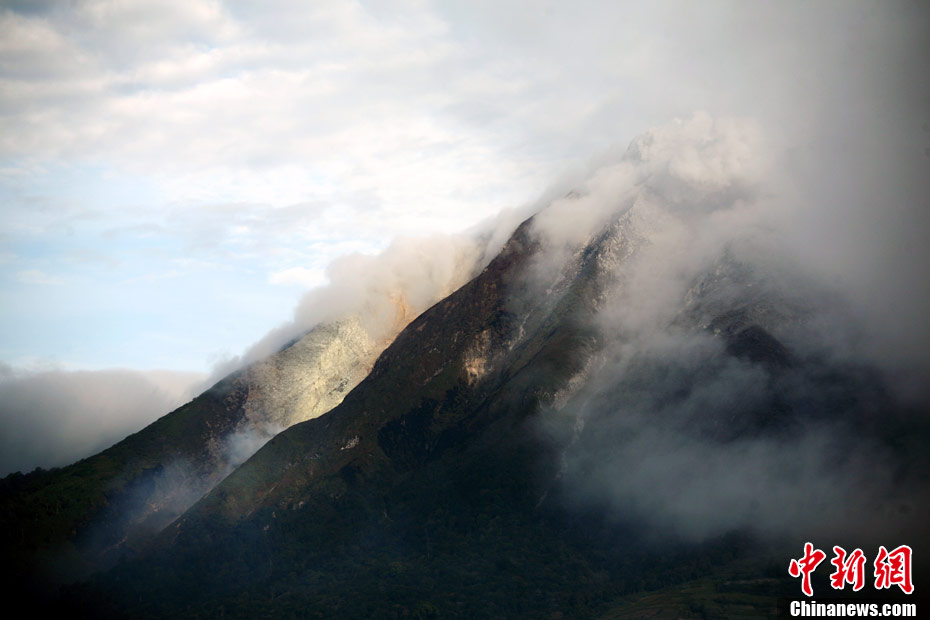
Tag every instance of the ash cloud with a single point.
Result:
(738, 386)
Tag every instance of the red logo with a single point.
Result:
(848, 570)
(805, 566)
(892, 568)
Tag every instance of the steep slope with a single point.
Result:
(443, 409)
(442, 378)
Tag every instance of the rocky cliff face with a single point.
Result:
(301, 382)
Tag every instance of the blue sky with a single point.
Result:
(176, 174)
(100, 270)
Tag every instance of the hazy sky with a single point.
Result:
(175, 174)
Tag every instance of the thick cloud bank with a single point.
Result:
(54, 418)
(737, 386)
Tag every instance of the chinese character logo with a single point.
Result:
(805, 566)
(848, 570)
(894, 569)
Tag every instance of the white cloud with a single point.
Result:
(221, 110)
(298, 276)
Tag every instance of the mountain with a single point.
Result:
(631, 396)
(431, 490)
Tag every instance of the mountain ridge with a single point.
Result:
(423, 414)
(629, 396)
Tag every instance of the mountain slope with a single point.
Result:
(443, 409)
(65, 523)
(430, 488)
(62, 524)
(630, 396)
(74, 519)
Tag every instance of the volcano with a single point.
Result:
(639, 393)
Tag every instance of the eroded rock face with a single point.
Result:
(308, 378)
(302, 381)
